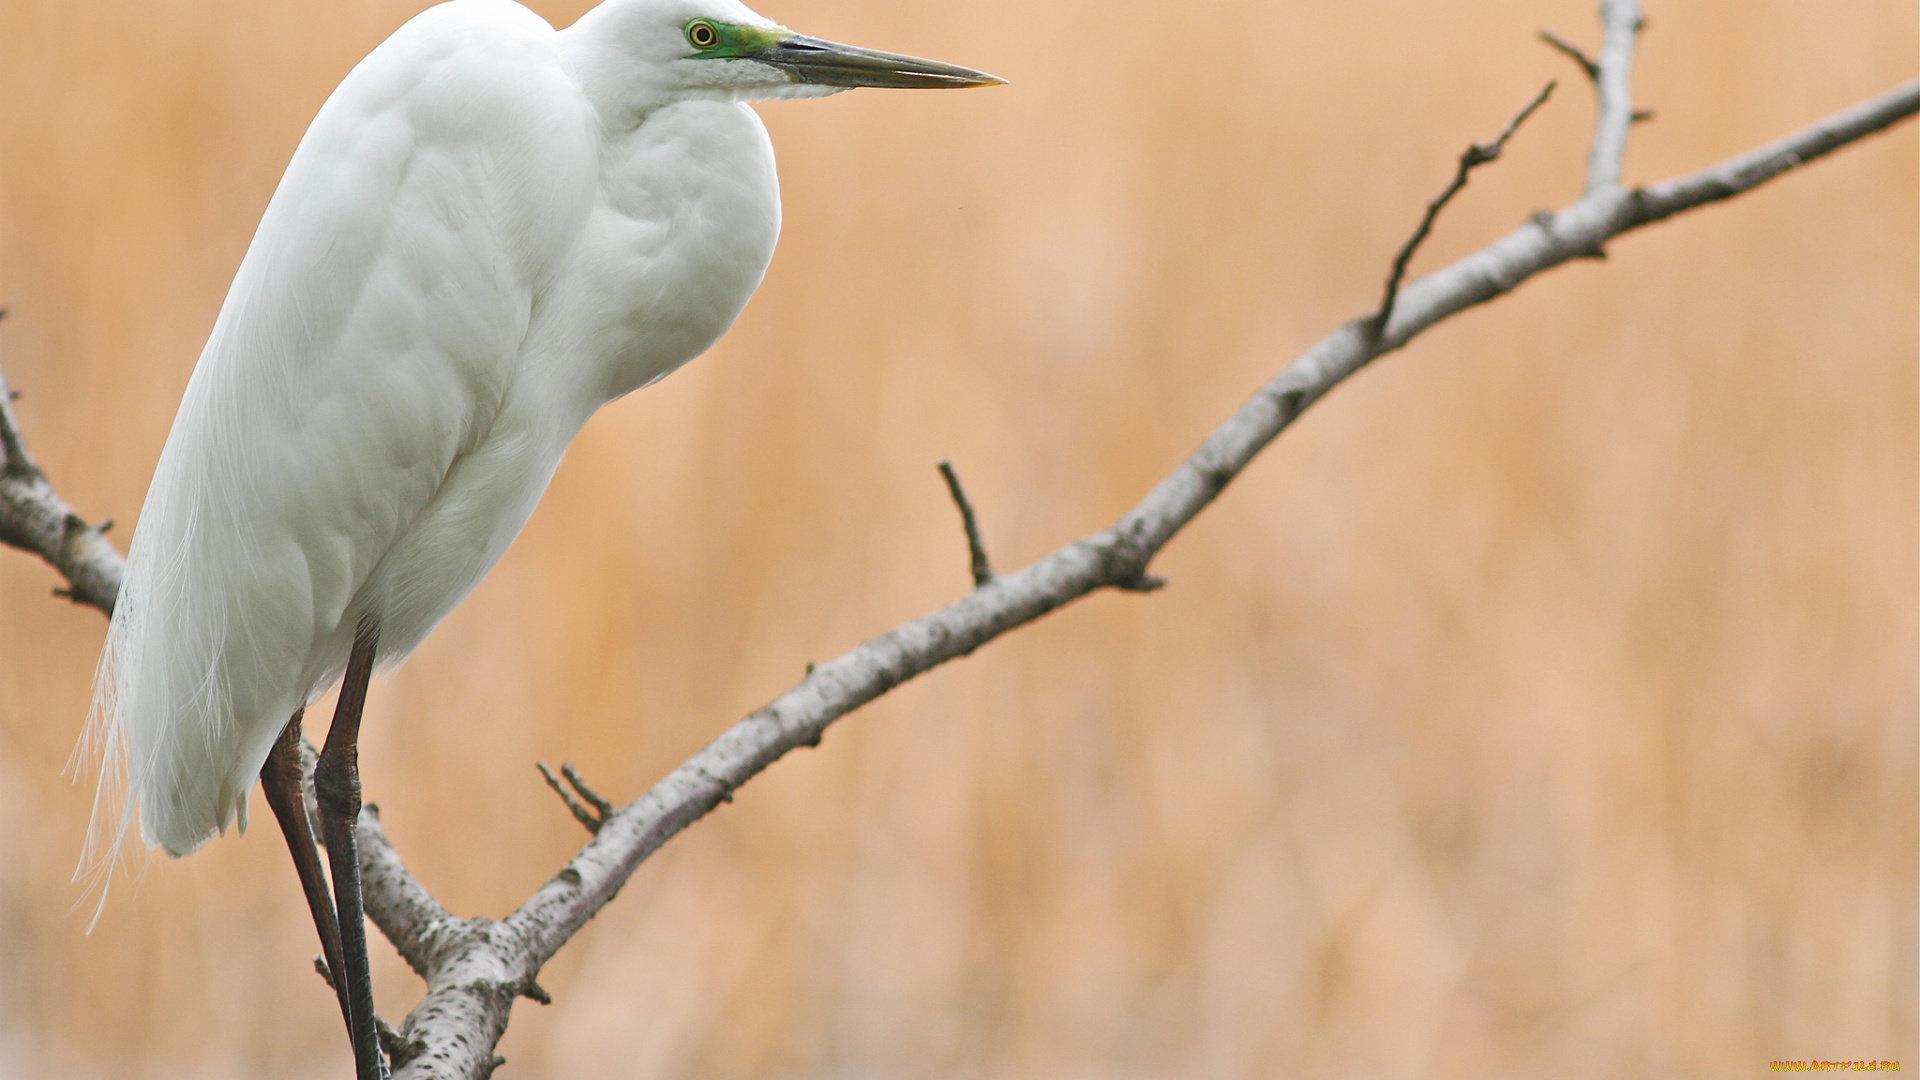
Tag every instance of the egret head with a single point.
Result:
(721, 49)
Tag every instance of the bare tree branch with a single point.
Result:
(1587, 64)
(976, 550)
(1614, 82)
(1475, 155)
(33, 517)
(476, 968)
(421, 930)
(1756, 167)
(591, 818)
(398, 1048)
(471, 994)
(1574, 53)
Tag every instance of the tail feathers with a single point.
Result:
(167, 749)
(103, 747)
(185, 768)
(179, 807)
(208, 651)
(113, 813)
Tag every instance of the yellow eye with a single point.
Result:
(702, 34)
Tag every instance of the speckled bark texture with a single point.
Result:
(34, 518)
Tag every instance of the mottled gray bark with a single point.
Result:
(33, 517)
(1613, 82)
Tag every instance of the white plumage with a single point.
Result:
(490, 230)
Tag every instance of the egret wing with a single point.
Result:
(367, 343)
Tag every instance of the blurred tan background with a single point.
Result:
(1544, 704)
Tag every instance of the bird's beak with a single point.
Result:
(825, 63)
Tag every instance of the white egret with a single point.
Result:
(491, 229)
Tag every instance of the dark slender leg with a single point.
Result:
(336, 780)
(281, 782)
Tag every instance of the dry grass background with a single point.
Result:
(1543, 705)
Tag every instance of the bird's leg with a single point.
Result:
(282, 783)
(336, 781)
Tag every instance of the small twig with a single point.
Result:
(593, 798)
(579, 811)
(398, 1048)
(593, 818)
(982, 570)
(1476, 155)
(1573, 52)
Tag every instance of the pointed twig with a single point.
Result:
(589, 818)
(602, 806)
(1473, 157)
(1573, 52)
(977, 551)
(580, 813)
(398, 1048)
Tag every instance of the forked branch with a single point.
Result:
(579, 798)
(1588, 65)
(1475, 155)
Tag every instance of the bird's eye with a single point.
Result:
(702, 34)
